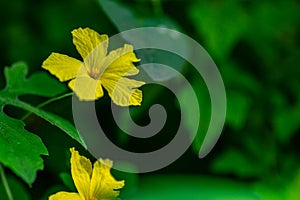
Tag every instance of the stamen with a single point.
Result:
(94, 73)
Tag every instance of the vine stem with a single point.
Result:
(46, 103)
(5, 183)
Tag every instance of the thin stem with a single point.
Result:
(48, 102)
(5, 183)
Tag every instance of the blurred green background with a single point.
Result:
(256, 46)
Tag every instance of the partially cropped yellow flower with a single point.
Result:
(92, 183)
(98, 69)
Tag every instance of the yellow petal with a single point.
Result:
(62, 66)
(86, 40)
(103, 184)
(122, 91)
(86, 88)
(120, 62)
(81, 170)
(65, 196)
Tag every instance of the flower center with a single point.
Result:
(93, 198)
(94, 73)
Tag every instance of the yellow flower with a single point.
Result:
(92, 183)
(98, 69)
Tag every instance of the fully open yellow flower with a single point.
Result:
(92, 183)
(98, 69)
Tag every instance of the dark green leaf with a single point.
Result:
(126, 18)
(273, 24)
(192, 188)
(235, 162)
(20, 150)
(55, 120)
(38, 84)
(220, 33)
(292, 191)
(238, 106)
(267, 192)
(286, 123)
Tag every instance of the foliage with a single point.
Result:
(20, 150)
(255, 45)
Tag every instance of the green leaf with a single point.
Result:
(221, 24)
(243, 82)
(39, 83)
(126, 18)
(192, 188)
(238, 106)
(282, 188)
(53, 119)
(265, 192)
(286, 122)
(20, 150)
(292, 191)
(239, 91)
(274, 23)
(236, 162)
